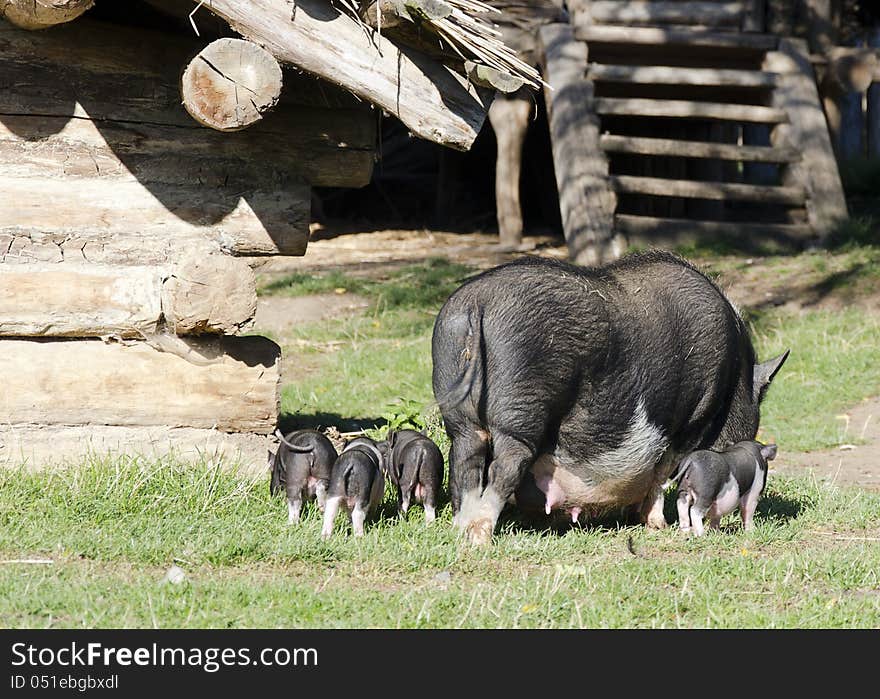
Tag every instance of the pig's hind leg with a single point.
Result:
(748, 503)
(684, 502)
(330, 511)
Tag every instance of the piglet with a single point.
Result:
(302, 467)
(415, 466)
(357, 485)
(714, 483)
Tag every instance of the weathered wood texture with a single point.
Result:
(38, 446)
(98, 101)
(40, 14)
(671, 147)
(434, 102)
(718, 191)
(700, 13)
(586, 199)
(232, 388)
(665, 75)
(684, 109)
(231, 84)
(652, 231)
(807, 131)
(664, 36)
(201, 294)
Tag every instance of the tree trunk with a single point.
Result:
(40, 14)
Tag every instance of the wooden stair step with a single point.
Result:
(662, 36)
(717, 191)
(680, 12)
(648, 230)
(669, 75)
(685, 109)
(697, 149)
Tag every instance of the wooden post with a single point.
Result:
(586, 199)
(873, 115)
(807, 131)
(40, 14)
(230, 84)
(753, 20)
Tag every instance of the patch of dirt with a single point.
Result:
(856, 463)
(278, 314)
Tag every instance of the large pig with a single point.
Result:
(575, 388)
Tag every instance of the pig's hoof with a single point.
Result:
(656, 522)
(479, 532)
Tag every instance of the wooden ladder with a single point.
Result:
(678, 121)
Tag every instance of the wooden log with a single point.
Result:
(486, 76)
(873, 99)
(683, 12)
(75, 96)
(666, 75)
(586, 199)
(656, 232)
(664, 36)
(716, 191)
(808, 131)
(231, 384)
(38, 446)
(697, 149)
(434, 102)
(684, 109)
(40, 14)
(230, 84)
(383, 14)
(200, 294)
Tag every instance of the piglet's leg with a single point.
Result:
(684, 505)
(330, 512)
(294, 508)
(430, 513)
(321, 494)
(358, 517)
(697, 514)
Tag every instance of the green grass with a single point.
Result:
(112, 529)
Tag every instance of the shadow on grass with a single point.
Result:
(288, 422)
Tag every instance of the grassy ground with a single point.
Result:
(113, 530)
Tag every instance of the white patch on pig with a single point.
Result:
(293, 511)
(726, 500)
(623, 475)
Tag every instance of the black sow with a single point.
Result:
(578, 389)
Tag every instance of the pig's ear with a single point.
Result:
(768, 451)
(764, 373)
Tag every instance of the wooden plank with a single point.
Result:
(808, 132)
(697, 149)
(656, 232)
(434, 101)
(89, 72)
(683, 109)
(229, 384)
(586, 200)
(120, 220)
(667, 75)
(201, 294)
(663, 36)
(683, 12)
(716, 191)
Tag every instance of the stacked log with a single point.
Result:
(127, 230)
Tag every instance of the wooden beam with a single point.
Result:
(657, 232)
(683, 109)
(667, 75)
(199, 294)
(434, 102)
(716, 191)
(697, 149)
(662, 36)
(230, 84)
(41, 14)
(229, 384)
(808, 132)
(701, 13)
(586, 199)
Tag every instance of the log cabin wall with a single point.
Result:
(126, 236)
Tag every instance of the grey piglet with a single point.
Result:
(415, 466)
(714, 483)
(357, 485)
(301, 466)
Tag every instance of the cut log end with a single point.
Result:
(41, 14)
(231, 84)
(485, 76)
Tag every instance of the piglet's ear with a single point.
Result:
(763, 374)
(768, 451)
